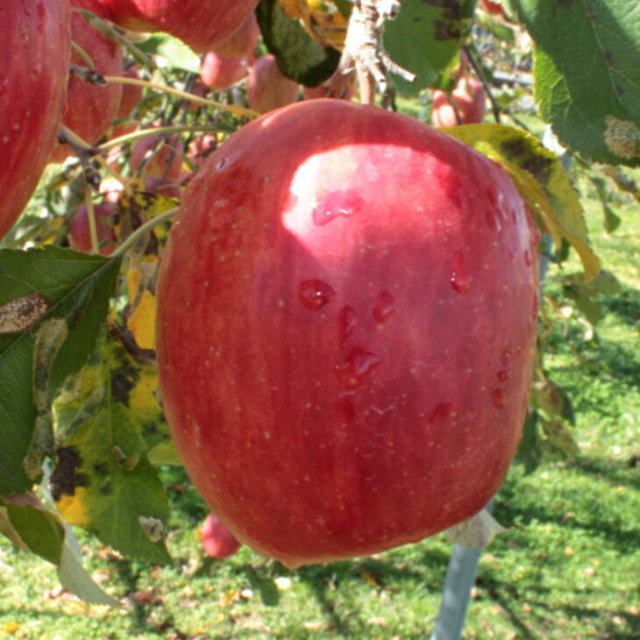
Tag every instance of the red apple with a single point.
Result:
(80, 235)
(267, 88)
(33, 84)
(242, 42)
(494, 8)
(220, 72)
(201, 24)
(468, 96)
(90, 109)
(217, 540)
(346, 329)
(131, 93)
(158, 156)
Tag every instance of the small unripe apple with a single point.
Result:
(267, 87)
(220, 72)
(79, 230)
(469, 98)
(217, 540)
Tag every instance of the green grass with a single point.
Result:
(569, 566)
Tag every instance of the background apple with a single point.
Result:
(346, 328)
(267, 88)
(494, 8)
(220, 72)
(32, 96)
(217, 540)
(468, 96)
(201, 24)
(90, 109)
(80, 235)
(158, 156)
(242, 42)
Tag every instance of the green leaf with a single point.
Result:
(33, 528)
(269, 592)
(176, 52)
(529, 451)
(103, 480)
(541, 180)
(69, 294)
(299, 56)
(587, 80)
(425, 37)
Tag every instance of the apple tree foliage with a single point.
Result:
(82, 434)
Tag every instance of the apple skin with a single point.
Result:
(165, 156)
(201, 24)
(79, 234)
(131, 94)
(220, 72)
(90, 109)
(346, 329)
(33, 86)
(242, 42)
(267, 87)
(469, 97)
(217, 540)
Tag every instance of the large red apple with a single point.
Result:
(267, 87)
(36, 38)
(199, 23)
(90, 109)
(470, 100)
(346, 326)
(217, 540)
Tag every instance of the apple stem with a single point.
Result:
(364, 54)
(84, 151)
(118, 34)
(141, 231)
(239, 112)
(496, 109)
(91, 217)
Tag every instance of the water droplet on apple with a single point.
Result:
(491, 195)
(440, 412)
(314, 294)
(498, 397)
(357, 365)
(527, 257)
(337, 204)
(383, 307)
(460, 280)
(505, 360)
(347, 321)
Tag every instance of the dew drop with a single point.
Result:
(357, 365)
(347, 321)
(491, 195)
(505, 361)
(440, 412)
(460, 280)
(527, 257)
(314, 294)
(498, 397)
(337, 204)
(383, 307)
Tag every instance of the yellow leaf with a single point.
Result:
(142, 321)
(72, 508)
(541, 180)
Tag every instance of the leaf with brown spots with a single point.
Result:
(587, 80)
